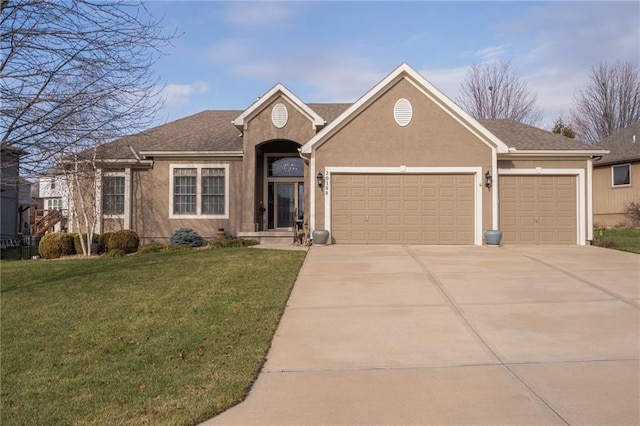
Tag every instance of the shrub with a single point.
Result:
(56, 244)
(152, 248)
(632, 211)
(115, 253)
(186, 237)
(232, 242)
(125, 240)
(103, 240)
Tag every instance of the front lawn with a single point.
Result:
(165, 338)
(625, 239)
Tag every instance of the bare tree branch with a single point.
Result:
(609, 101)
(493, 90)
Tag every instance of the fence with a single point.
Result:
(19, 247)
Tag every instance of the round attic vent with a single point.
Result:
(279, 115)
(402, 112)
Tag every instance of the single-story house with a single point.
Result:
(401, 165)
(616, 177)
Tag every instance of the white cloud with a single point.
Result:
(490, 53)
(180, 94)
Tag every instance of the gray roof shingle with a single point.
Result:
(214, 131)
(204, 131)
(524, 137)
(621, 146)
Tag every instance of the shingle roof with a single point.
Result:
(214, 131)
(204, 131)
(524, 137)
(621, 145)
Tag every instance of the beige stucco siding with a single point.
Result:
(372, 139)
(151, 203)
(608, 201)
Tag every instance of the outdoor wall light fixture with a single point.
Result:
(320, 179)
(488, 179)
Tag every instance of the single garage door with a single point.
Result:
(538, 209)
(402, 209)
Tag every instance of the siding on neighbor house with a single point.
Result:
(609, 202)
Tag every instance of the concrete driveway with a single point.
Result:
(454, 335)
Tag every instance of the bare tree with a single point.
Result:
(73, 75)
(493, 90)
(609, 101)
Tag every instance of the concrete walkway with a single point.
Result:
(415, 335)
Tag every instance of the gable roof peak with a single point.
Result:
(278, 90)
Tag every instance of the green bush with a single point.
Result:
(125, 240)
(152, 248)
(232, 242)
(186, 237)
(115, 253)
(55, 245)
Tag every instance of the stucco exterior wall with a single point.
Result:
(609, 202)
(433, 138)
(150, 207)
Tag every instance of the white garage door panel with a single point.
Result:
(407, 209)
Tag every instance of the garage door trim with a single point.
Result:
(475, 171)
(580, 189)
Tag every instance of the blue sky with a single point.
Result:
(230, 53)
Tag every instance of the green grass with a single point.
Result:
(164, 338)
(625, 239)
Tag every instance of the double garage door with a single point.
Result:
(538, 209)
(402, 209)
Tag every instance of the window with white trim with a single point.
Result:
(199, 191)
(621, 174)
(54, 204)
(113, 195)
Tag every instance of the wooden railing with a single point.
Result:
(46, 220)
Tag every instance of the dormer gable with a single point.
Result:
(280, 113)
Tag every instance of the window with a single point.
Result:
(113, 195)
(621, 174)
(199, 191)
(285, 167)
(54, 204)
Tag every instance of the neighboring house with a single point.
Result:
(9, 191)
(403, 164)
(616, 177)
(53, 194)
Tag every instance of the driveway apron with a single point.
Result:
(417, 335)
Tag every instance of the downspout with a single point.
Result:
(312, 198)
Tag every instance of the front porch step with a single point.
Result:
(268, 237)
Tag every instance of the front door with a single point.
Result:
(286, 204)
(285, 191)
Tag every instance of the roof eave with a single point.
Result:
(147, 154)
(553, 153)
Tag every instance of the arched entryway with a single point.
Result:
(280, 186)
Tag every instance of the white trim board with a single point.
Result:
(476, 171)
(580, 189)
